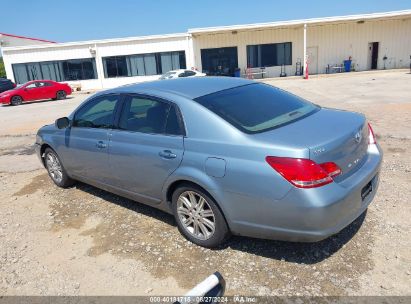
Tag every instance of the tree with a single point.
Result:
(2, 69)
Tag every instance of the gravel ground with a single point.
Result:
(85, 241)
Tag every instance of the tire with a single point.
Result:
(16, 100)
(56, 170)
(204, 217)
(61, 95)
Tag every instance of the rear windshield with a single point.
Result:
(257, 107)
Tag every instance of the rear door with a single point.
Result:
(147, 145)
(48, 90)
(43, 90)
(86, 149)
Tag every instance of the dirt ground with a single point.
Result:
(84, 241)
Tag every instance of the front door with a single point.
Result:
(32, 92)
(146, 147)
(373, 55)
(219, 61)
(85, 153)
(312, 60)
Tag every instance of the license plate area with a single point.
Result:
(366, 190)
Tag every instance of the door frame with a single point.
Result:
(123, 100)
(370, 58)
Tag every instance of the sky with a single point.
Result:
(74, 20)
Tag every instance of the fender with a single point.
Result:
(199, 177)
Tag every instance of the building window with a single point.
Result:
(219, 61)
(266, 55)
(63, 70)
(115, 66)
(143, 64)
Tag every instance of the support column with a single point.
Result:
(190, 62)
(305, 50)
(99, 66)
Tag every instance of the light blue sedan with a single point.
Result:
(223, 155)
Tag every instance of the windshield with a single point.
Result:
(257, 107)
(167, 75)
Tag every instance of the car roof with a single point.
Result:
(175, 71)
(191, 87)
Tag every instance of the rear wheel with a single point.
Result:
(198, 217)
(56, 170)
(61, 95)
(16, 100)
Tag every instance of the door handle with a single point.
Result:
(101, 145)
(167, 154)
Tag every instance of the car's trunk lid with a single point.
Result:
(329, 135)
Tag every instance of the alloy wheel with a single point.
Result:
(54, 167)
(61, 95)
(196, 215)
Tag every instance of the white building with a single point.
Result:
(372, 41)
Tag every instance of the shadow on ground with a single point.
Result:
(38, 101)
(300, 253)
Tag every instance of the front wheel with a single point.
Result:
(61, 95)
(16, 100)
(56, 170)
(198, 217)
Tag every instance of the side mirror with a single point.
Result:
(62, 123)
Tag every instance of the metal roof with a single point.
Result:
(337, 19)
(26, 38)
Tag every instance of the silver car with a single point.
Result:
(223, 155)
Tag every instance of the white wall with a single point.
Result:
(335, 42)
(140, 47)
(244, 38)
(103, 49)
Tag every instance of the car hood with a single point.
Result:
(6, 93)
(47, 128)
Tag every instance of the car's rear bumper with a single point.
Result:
(308, 215)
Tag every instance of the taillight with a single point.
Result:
(331, 168)
(304, 173)
(371, 136)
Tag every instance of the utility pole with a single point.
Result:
(305, 72)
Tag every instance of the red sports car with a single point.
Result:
(35, 90)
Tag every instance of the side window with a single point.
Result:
(189, 73)
(173, 126)
(97, 113)
(31, 86)
(144, 115)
